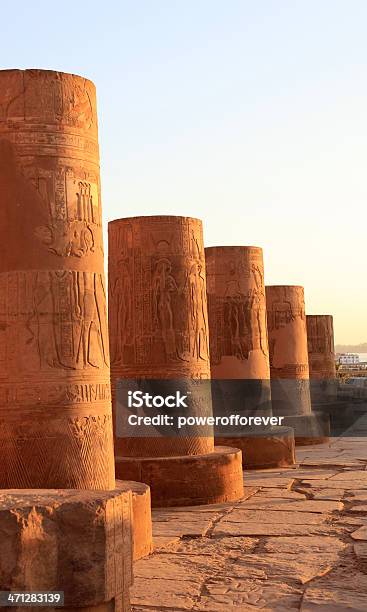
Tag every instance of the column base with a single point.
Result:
(309, 429)
(75, 541)
(191, 480)
(341, 414)
(272, 448)
(142, 517)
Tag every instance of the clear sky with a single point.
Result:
(251, 115)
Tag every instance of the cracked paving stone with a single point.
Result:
(350, 522)
(161, 543)
(229, 594)
(307, 505)
(177, 523)
(283, 481)
(277, 494)
(178, 567)
(285, 567)
(228, 547)
(263, 529)
(272, 517)
(356, 495)
(249, 491)
(163, 593)
(340, 463)
(333, 600)
(318, 453)
(296, 542)
(262, 522)
(300, 545)
(181, 522)
(359, 508)
(344, 589)
(315, 474)
(351, 476)
(327, 494)
(360, 534)
(360, 550)
(322, 453)
(335, 484)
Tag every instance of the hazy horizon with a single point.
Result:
(251, 116)
(360, 345)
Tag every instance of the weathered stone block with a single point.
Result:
(142, 517)
(79, 542)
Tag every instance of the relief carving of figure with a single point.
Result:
(90, 343)
(243, 316)
(67, 238)
(164, 285)
(73, 207)
(198, 313)
(257, 322)
(258, 277)
(78, 108)
(45, 333)
(234, 315)
(121, 296)
(68, 320)
(235, 328)
(281, 314)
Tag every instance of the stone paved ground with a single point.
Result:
(297, 541)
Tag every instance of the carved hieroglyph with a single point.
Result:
(321, 351)
(237, 313)
(287, 332)
(55, 414)
(158, 311)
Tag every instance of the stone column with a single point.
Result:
(159, 330)
(55, 406)
(320, 342)
(321, 357)
(239, 353)
(55, 409)
(289, 368)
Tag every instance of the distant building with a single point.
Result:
(347, 358)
